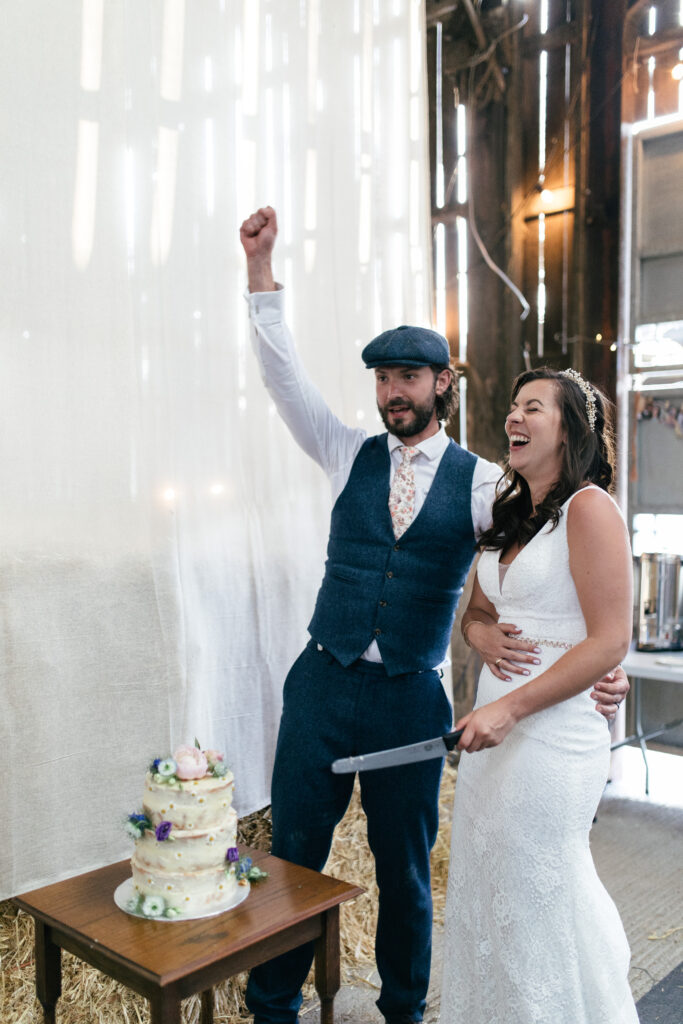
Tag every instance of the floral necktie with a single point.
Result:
(402, 493)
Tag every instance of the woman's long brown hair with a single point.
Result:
(588, 457)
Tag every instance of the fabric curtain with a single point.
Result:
(162, 538)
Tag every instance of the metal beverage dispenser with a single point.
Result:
(660, 603)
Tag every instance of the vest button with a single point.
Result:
(397, 547)
(378, 632)
(383, 604)
(390, 575)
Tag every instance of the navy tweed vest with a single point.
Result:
(401, 593)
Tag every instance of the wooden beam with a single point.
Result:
(636, 8)
(578, 300)
(437, 12)
(552, 40)
(648, 46)
(481, 41)
(449, 214)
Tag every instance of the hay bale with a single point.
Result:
(351, 860)
(88, 997)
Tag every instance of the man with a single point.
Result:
(408, 506)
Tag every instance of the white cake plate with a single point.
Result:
(125, 892)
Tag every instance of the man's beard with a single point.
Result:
(420, 420)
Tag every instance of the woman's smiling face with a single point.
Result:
(535, 432)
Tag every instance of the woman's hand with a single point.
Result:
(486, 727)
(609, 692)
(496, 644)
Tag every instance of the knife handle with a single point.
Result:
(451, 738)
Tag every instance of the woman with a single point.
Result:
(532, 937)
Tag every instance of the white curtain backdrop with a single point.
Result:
(161, 536)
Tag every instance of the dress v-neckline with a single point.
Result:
(542, 530)
(508, 565)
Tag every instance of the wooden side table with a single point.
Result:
(166, 961)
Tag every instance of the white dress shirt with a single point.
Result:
(325, 438)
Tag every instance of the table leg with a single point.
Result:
(207, 1007)
(327, 973)
(48, 971)
(639, 732)
(164, 1009)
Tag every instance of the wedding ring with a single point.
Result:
(497, 662)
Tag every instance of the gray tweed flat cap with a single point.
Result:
(407, 346)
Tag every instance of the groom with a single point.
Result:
(408, 507)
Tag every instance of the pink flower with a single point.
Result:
(213, 755)
(191, 763)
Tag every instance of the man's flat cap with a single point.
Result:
(407, 346)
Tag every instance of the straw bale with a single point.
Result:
(88, 997)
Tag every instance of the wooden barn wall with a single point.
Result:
(664, 45)
(610, 44)
(582, 241)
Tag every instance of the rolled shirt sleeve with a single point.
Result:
(484, 480)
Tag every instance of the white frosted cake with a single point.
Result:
(186, 861)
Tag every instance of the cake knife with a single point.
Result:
(438, 747)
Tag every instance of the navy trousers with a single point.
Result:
(328, 712)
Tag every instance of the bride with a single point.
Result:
(532, 937)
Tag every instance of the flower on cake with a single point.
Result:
(163, 830)
(136, 825)
(243, 868)
(215, 761)
(166, 767)
(247, 871)
(217, 768)
(153, 906)
(188, 764)
(191, 763)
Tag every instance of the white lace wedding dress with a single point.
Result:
(532, 936)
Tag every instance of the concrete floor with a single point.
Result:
(633, 847)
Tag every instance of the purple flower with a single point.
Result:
(137, 817)
(233, 854)
(155, 764)
(162, 830)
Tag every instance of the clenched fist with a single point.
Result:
(258, 234)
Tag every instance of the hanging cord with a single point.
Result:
(472, 64)
(483, 55)
(526, 308)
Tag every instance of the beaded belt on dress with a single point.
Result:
(542, 642)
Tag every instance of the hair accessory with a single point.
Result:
(588, 392)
